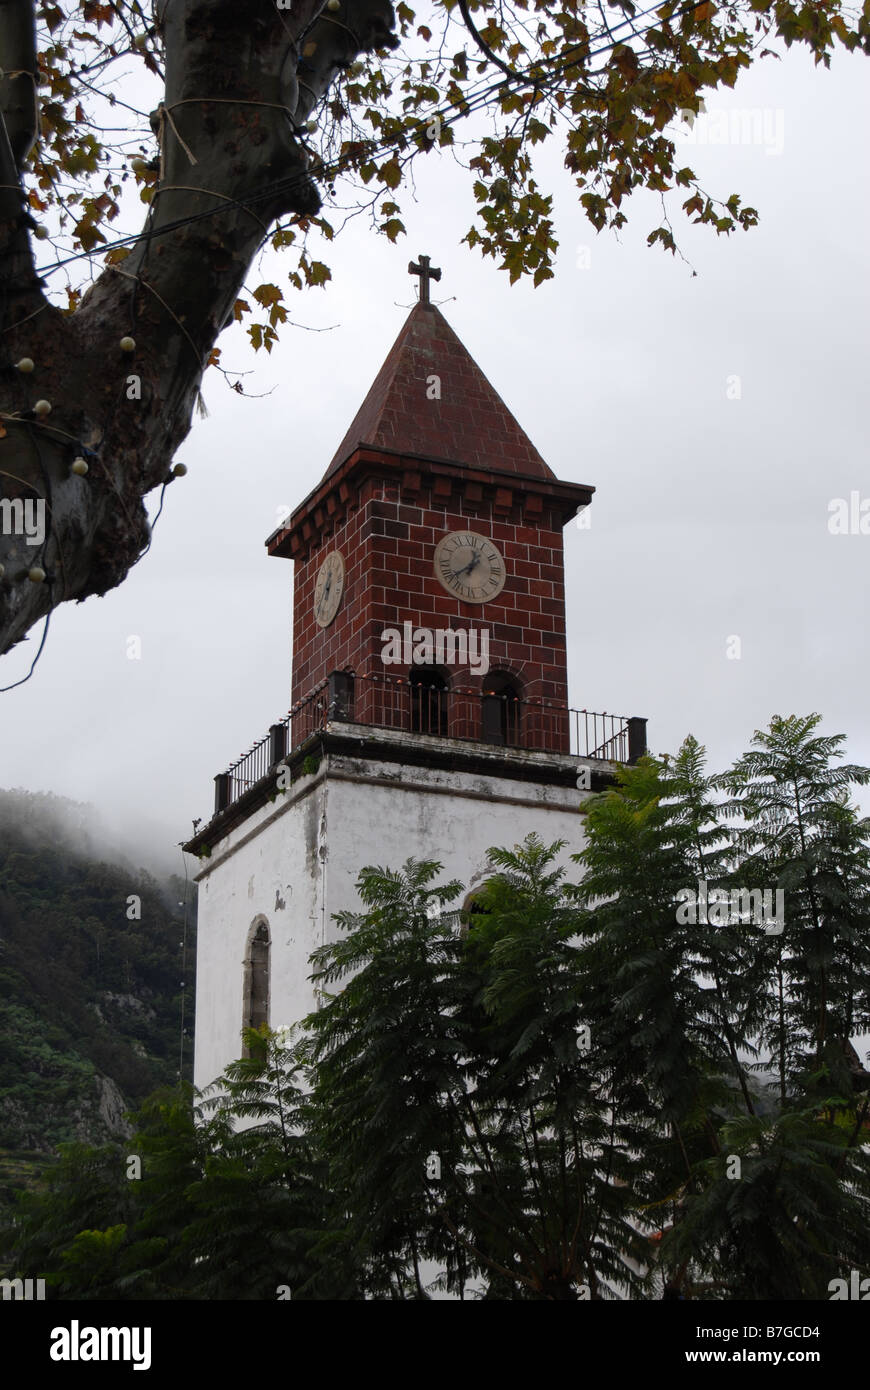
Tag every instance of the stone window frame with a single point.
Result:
(260, 921)
(467, 908)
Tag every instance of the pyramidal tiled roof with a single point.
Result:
(470, 424)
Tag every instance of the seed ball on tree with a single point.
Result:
(79, 467)
(36, 574)
(128, 344)
(42, 408)
(25, 365)
(333, 5)
(40, 233)
(179, 470)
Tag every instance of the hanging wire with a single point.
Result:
(183, 968)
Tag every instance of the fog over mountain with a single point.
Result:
(128, 839)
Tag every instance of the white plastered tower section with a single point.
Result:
(295, 862)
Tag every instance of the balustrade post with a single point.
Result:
(221, 792)
(340, 696)
(636, 739)
(277, 743)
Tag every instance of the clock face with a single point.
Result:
(469, 566)
(328, 588)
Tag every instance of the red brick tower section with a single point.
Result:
(434, 450)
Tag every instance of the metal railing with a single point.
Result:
(418, 707)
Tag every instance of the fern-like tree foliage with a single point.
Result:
(796, 828)
(464, 1124)
(777, 1205)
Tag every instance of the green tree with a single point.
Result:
(758, 1195)
(83, 1193)
(386, 1054)
(258, 1217)
(722, 958)
(538, 1099)
(798, 831)
(465, 1050)
(659, 1043)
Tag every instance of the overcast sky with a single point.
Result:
(710, 518)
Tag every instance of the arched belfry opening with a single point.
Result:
(501, 709)
(256, 976)
(428, 701)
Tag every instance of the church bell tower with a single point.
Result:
(429, 709)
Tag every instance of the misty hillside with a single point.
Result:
(90, 1000)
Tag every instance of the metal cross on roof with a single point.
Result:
(426, 274)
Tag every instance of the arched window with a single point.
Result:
(256, 976)
(428, 701)
(472, 907)
(501, 709)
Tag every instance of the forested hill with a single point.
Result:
(90, 998)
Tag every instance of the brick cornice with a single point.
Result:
(332, 497)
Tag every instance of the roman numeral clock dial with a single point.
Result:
(469, 566)
(328, 588)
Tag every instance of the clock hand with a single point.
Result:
(475, 561)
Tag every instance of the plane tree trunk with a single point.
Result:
(233, 98)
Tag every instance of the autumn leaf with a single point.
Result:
(393, 227)
(103, 14)
(88, 235)
(268, 294)
(317, 273)
(391, 173)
